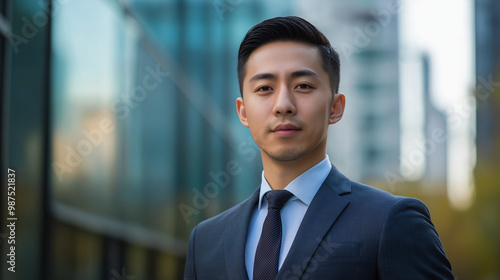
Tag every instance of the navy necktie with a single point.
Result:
(266, 263)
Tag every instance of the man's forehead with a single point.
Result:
(285, 48)
(284, 55)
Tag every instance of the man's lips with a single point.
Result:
(286, 129)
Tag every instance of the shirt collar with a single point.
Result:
(305, 186)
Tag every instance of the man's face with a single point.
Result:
(287, 101)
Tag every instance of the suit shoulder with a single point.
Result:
(231, 213)
(369, 194)
(366, 190)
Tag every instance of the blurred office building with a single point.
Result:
(434, 143)
(389, 118)
(365, 144)
(118, 118)
(488, 123)
(488, 79)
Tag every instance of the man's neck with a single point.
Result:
(279, 174)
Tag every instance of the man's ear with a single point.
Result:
(337, 108)
(240, 109)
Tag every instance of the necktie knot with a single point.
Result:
(277, 198)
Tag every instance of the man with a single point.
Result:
(307, 220)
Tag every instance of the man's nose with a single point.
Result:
(284, 103)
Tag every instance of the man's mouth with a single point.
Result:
(286, 129)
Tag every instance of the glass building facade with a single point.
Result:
(119, 120)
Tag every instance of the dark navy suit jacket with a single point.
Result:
(350, 231)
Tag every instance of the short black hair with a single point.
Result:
(290, 28)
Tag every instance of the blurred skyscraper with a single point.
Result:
(488, 79)
(384, 138)
(435, 131)
(487, 95)
(366, 143)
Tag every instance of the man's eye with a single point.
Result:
(304, 86)
(264, 88)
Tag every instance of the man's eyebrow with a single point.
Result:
(296, 74)
(304, 72)
(263, 76)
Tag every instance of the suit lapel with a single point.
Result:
(235, 238)
(325, 208)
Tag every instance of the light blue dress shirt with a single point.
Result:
(304, 189)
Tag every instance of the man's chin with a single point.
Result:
(284, 155)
